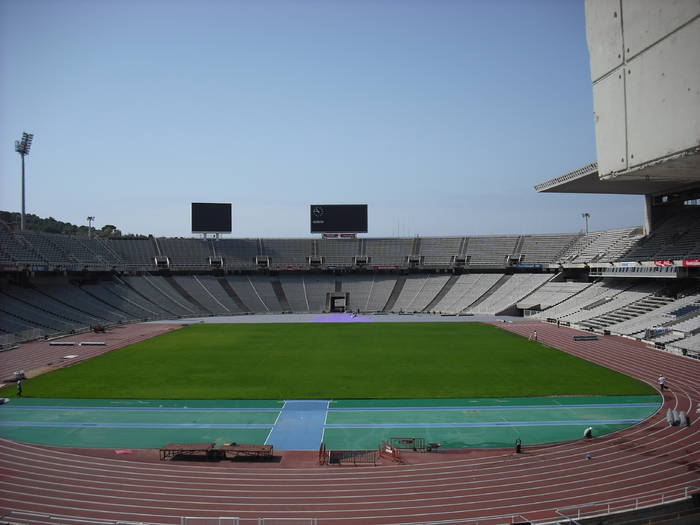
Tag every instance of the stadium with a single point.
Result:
(524, 378)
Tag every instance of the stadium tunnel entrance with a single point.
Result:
(337, 302)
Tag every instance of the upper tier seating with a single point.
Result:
(388, 252)
(138, 253)
(185, 253)
(439, 251)
(238, 253)
(491, 250)
(542, 249)
(677, 238)
(600, 246)
(339, 252)
(287, 252)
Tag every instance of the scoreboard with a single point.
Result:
(338, 218)
(208, 217)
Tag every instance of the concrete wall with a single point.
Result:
(645, 69)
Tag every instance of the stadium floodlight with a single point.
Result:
(586, 216)
(90, 218)
(22, 147)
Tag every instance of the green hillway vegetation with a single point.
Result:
(332, 361)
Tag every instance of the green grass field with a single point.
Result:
(332, 361)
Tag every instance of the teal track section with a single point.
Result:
(302, 425)
(482, 422)
(95, 423)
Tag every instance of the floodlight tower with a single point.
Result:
(22, 147)
(90, 219)
(586, 216)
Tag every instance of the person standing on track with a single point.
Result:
(662, 382)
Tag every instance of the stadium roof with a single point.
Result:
(651, 179)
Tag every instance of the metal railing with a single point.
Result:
(628, 504)
(195, 520)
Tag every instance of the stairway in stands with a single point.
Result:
(635, 309)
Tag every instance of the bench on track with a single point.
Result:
(213, 452)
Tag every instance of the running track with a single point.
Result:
(644, 461)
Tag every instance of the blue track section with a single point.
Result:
(299, 425)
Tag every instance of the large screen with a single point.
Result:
(208, 217)
(338, 218)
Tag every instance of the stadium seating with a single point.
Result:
(388, 252)
(677, 238)
(418, 291)
(339, 252)
(491, 250)
(543, 249)
(466, 291)
(185, 253)
(552, 293)
(295, 291)
(600, 246)
(440, 251)
(139, 254)
(359, 288)
(124, 283)
(509, 293)
(287, 252)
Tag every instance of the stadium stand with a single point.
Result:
(199, 295)
(238, 253)
(212, 286)
(677, 238)
(465, 291)
(551, 294)
(379, 292)
(125, 283)
(339, 252)
(16, 249)
(510, 291)
(46, 249)
(388, 252)
(608, 303)
(139, 254)
(543, 249)
(316, 287)
(295, 291)
(440, 251)
(287, 252)
(359, 287)
(600, 246)
(418, 291)
(185, 253)
(123, 299)
(491, 250)
(264, 290)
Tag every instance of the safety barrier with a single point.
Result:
(620, 505)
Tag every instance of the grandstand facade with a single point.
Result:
(616, 281)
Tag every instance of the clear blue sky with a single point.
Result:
(441, 115)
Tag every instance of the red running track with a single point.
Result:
(645, 461)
